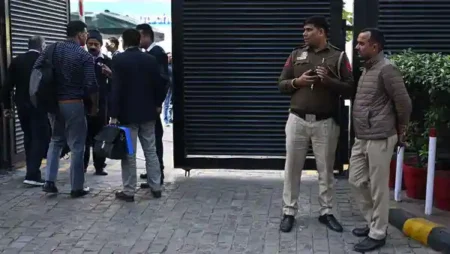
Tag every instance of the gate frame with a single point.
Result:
(5, 159)
(232, 162)
(365, 15)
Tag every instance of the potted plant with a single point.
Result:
(427, 78)
(411, 65)
(414, 167)
(438, 116)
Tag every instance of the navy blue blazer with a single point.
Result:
(137, 87)
(163, 62)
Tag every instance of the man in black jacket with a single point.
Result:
(97, 122)
(148, 44)
(137, 87)
(34, 122)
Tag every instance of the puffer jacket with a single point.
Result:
(382, 106)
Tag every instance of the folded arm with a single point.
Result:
(396, 90)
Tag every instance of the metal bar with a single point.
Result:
(179, 151)
(240, 163)
(5, 162)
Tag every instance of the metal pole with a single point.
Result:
(430, 173)
(81, 10)
(399, 174)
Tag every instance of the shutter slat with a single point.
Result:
(422, 25)
(234, 52)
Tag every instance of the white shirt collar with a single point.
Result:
(33, 50)
(151, 46)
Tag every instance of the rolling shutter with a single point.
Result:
(47, 18)
(232, 55)
(423, 25)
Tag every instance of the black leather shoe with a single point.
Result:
(125, 197)
(330, 221)
(157, 194)
(79, 193)
(101, 172)
(287, 223)
(143, 176)
(145, 186)
(49, 187)
(369, 244)
(361, 232)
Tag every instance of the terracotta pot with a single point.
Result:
(442, 189)
(415, 181)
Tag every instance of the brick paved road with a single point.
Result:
(213, 211)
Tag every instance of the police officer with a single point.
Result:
(96, 122)
(315, 76)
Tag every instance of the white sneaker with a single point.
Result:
(33, 183)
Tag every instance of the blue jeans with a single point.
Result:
(167, 109)
(68, 125)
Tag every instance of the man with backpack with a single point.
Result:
(69, 70)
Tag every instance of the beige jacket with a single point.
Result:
(382, 106)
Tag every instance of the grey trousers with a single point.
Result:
(146, 134)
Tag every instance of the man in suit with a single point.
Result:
(34, 121)
(96, 122)
(148, 44)
(113, 46)
(137, 86)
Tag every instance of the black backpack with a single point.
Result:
(43, 89)
(111, 143)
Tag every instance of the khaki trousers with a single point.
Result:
(369, 178)
(324, 136)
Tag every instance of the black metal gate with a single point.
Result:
(47, 18)
(228, 112)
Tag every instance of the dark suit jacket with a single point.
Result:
(137, 86)
(18, 76)
(163, 62)
(104, 87)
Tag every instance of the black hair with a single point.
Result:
(35, 42)
(318, 22)
(376, 36)
(114, 40)
(146, 30)
(75, 27)
(131, 38)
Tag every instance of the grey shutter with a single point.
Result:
(232, 54)
(423, 25)
(47, 18)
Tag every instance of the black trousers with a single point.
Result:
(36, 131)
(159, 132)
(95, 125)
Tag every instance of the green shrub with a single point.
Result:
(427, 78)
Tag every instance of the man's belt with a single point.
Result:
(70, 101)
(311, 117)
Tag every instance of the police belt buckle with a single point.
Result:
(310, 117)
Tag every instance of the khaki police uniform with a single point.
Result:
(312, 118)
